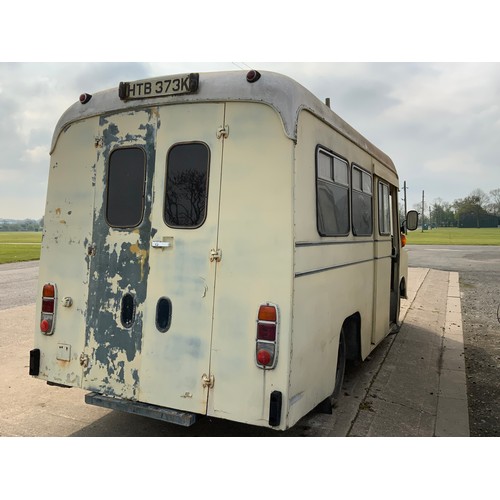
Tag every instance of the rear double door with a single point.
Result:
(183, 263)
(152, 272)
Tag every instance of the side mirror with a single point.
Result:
(412, 220)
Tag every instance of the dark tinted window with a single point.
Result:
(332, 188)
(126, 178)
(187, 185)
(362, 211)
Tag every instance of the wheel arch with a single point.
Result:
(352, 331)
(402, 288)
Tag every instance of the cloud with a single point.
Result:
(36, 154)
(455, 163)
(439, 122)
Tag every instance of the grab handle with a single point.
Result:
(161, 244)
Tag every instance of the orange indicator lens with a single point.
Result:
(267, 313)
(49, 290)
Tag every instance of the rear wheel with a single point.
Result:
(331, 401)
(402, 288)
(339, 373)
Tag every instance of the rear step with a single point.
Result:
(146, 410)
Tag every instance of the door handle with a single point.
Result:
(161, 244)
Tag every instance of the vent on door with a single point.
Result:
(127, 315)
(163, 314)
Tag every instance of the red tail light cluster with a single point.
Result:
(266, 351)
(49, 296)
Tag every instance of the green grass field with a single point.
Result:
(22, 246)
(19, 246)
(455, 236)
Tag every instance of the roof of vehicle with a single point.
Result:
(284, 94)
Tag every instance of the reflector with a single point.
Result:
(264, 357)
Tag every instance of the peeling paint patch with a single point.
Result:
(142, 256)
(119, 267)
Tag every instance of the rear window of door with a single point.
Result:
(186, 187)
(125, 187)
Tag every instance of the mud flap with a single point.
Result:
(34, 362)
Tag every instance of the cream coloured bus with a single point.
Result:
(215, 244)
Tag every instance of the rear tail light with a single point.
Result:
(266, 351)
(47, 315)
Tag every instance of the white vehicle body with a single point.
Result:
(157, 268)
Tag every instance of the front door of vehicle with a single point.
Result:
(396, 258)
(383, 264)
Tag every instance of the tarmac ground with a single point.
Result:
(413, 384)
(420, 389)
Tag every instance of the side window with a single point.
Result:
(125, 187)
(186, 191)
(384, 209)
(332, 194)
(362, 194)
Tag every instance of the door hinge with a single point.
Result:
(223, 131)
(207, 381)
(215, 254)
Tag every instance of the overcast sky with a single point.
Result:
(439, 122)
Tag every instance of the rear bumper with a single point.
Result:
(146, 410)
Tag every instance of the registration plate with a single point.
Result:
(159, 87)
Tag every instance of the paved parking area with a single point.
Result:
(413, 384)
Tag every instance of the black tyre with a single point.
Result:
(402, 289)
(331, 401)
(339, 374)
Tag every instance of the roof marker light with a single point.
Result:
(85, 98)
(252, 76)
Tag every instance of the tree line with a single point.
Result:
(478, 209)
(21, 225)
